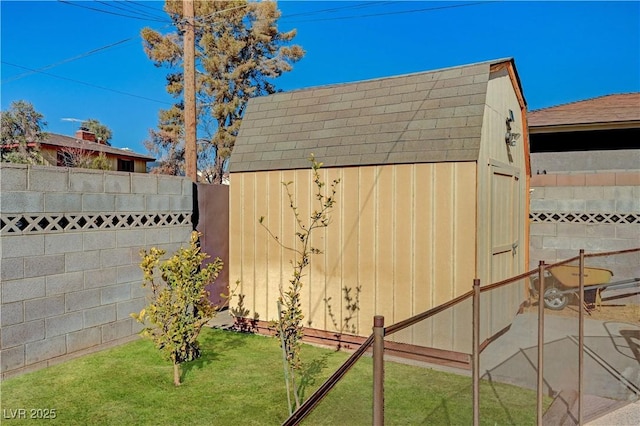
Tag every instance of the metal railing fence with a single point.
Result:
(544, 293)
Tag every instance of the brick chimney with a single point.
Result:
(85, 135)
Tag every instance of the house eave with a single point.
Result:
(580, 127)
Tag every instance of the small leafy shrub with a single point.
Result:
(24, 157)
(242, 322)
(100, 162)
(179, 306)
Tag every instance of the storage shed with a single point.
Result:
(434, 173)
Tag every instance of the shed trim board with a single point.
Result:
(416, 156)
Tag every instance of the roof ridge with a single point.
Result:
(389, 77)
(584, 100)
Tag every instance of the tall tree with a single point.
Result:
(239, 51)
(21, 131)
(101, 131)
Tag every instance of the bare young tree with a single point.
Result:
(82, 157)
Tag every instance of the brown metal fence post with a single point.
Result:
(378, 370)
(540, 381)
(476, 352)
(581, 337)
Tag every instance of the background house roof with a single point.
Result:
(610, 109)
(431, 116)
(71, 142)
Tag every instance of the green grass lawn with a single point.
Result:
(239, 380)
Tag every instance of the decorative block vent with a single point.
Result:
(27, 224)
(593, 218)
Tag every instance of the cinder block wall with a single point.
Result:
(596, 211)
(70, 242)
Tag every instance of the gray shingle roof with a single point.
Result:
(417, 118)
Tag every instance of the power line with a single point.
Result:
(128, 9)
(428, 9)
(142, 4)
(335, 9)
(97, 50)
(64, 61)
(113, 13)
(84, 55)
(87, 84)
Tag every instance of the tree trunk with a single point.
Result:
(176, 374)
(218, 170)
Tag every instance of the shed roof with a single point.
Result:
(424, 117)
(609, 109)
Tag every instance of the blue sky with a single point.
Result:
(564, 51)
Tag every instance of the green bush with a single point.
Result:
(179, 306)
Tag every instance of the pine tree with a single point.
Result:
(239, 51)
(102, 132)
(21, 133)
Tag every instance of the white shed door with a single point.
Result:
(505, 222)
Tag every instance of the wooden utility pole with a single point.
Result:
(190, 91)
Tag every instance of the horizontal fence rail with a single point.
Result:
(539, 273)
(324, 389)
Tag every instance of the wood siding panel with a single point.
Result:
(287, 235)
(465, 199)
(443, 232)
(302, 194)
(366, 218)
(247, 255)
(349, 198)
(464, 229)
(260, 198)
(402, 233)
(384, 243)
(237, 235)
(332, 254)
(279, 270)
(422, 250)
(404, 191)
(314, 281)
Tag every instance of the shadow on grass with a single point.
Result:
(440, 414)
(212, 346)
(490, 396)
(499, 399)
(310, 373)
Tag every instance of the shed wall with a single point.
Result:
(404, 234)
(497, 158)
(503, 203)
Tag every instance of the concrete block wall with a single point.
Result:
(597, 212)
(69, 256)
